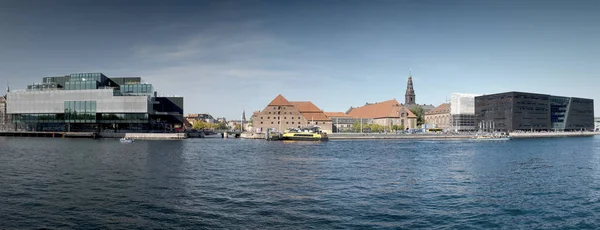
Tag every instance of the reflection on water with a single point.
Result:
(236, 183)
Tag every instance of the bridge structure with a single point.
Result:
(232, 133)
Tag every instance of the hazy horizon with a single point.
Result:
(227, 56)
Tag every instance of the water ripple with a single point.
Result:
(252, 184)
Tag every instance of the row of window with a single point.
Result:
(80, 85)
(80, 106)
(74, 75)
(131, 89)
(87, 77)
(280, 113)
(82, 118)
(287, 122)
(280, 117)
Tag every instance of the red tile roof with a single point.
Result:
(384, 109)
(441, 109)
(310, 111)
(279, 100)
(336, 114)
(305, 106)
(316, 116)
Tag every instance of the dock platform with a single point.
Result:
(49, 134)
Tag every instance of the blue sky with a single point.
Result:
(226, 56)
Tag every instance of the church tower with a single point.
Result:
(409, 98)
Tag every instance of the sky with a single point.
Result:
(225, 57)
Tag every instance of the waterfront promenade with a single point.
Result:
(350, 136)
(431, 136)
(332, 136)
(138, 136)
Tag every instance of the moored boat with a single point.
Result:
(126, 140)
(492, 137)
(305, 134)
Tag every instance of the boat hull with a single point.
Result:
(305, 139)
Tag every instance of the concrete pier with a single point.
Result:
(553, 134)
(253, 136)
(358, 136)
(156, 136)
(50, 134)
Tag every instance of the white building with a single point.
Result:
(462, 112)
(596, 123)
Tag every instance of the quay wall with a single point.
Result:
(156, 136)
(253, 135)
(553, 134)
(357, 136)
(138, 136)
(49, 134)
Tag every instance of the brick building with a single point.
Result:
(439, 116)
(386, 113)
(282, 114)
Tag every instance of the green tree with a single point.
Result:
(356, 127)
(238, 127)
(375, 128)
(200, 125)
(220, 125)
(418, 111)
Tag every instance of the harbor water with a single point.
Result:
(256, 184)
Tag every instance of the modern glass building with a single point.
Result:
(533, 112)
(5, 122)
(462, 112)
(93, 102)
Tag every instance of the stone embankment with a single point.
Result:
(253, 135)
(156, 136)
(49, 134)
(356, 136)
(553, 134)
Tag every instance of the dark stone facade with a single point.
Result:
(533, 112)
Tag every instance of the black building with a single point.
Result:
(533, 112)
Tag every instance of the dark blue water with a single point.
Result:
(253, 184)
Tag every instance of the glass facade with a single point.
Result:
(463, 122)
(136, 89)
(79, 85)
(558, 110)
(43, 86)
(123, 118)
(80, 111)
(92, 102)
(57, 80)
(40, 117)
(79, 77)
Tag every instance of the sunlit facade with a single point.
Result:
(93, 102)
(462, 112)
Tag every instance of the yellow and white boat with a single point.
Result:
(305, 134)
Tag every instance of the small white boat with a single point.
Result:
(126, 140)
(492, 137)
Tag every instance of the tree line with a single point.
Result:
(375, 128)
(205, 125)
